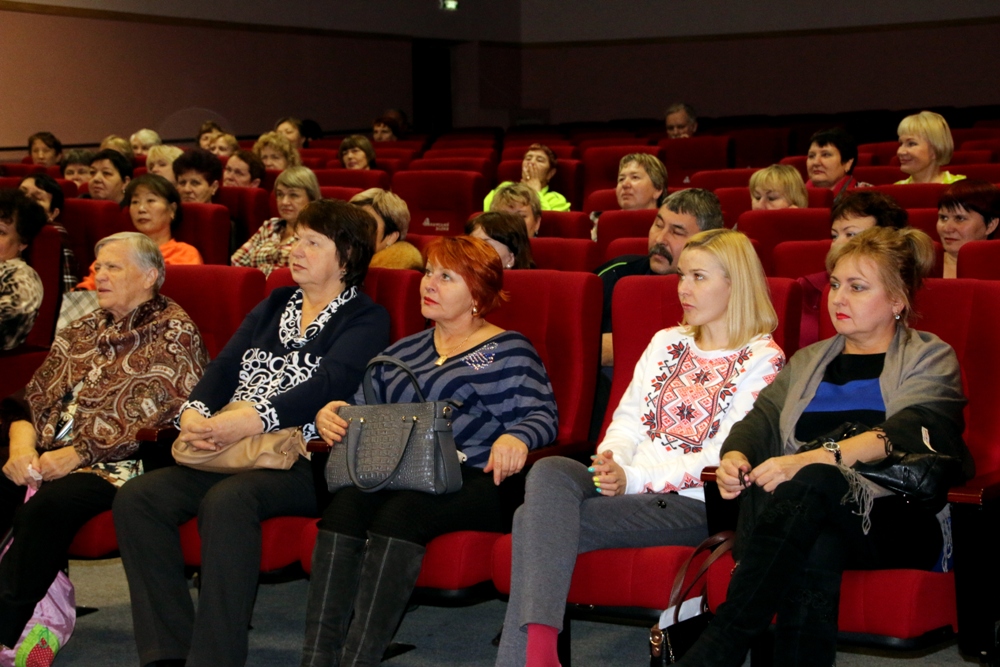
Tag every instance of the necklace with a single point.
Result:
(444, 357)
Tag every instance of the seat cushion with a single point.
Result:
(281, 539)
(96, 539)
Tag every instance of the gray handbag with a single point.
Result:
(396, 446)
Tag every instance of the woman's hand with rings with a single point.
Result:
(507, 456)
(609, 477)
(330, 426)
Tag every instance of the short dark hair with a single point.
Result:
(510, 230)
(358, 141)
(27, 215)
(863, 203)
(390, 122)
(121, 163)
(76, 156)
(208, 127)
(46, 138)
(841, 140)
(48, 184)
(160, 187)
(351, 228)
(973, 195)
(257, 168)
(201, 161)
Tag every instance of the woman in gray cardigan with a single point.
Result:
(806, 516)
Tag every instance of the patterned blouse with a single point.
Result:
(265, 250)
(20, 299)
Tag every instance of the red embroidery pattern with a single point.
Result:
(689, 397)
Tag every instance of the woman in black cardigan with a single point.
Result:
(297, 350)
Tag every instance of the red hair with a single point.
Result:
(478, 264)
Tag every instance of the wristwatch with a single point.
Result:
(834, 448)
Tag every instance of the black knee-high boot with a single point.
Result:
(806, 630)
(775, 554)
(336, 567)
(388, 575)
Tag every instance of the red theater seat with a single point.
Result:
(883, 151)
(566, 224)
(601, 164)
(20, 169)
(991, 145)
(353, 178)
(249, 207)
(979, 259)
(684, 157)
(565, 151)
(769, 228)
(721, 178)
(403, 154)
(329, 192)
(207, 227)
(915, 195)
(440, 201)
(734, 202)
(565, 254)
(88, 221)
(486, 153)
(626, 246)
(982, 172)
(759, 146)
(623, 224)
(479, 165)
(924, 219)
(601, 200)
(878, 175)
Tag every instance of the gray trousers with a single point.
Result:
(563, 516)
(148, 511)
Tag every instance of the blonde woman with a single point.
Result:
(643, 487)
(778, 186)
(392, 216)
(925, 146)
(276, 152)
(160, 160)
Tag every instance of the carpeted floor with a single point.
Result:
(443, 637)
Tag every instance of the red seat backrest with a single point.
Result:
(249, 207)
(487, 153)
(21, 169)
(601, 200)
(626, 246)
(217, 298)
(440, 201)
(759, 146)
(601, 164)
(479, 165)
(979, 259)
(734, 202)
(207, 227)
(963, 134)
(45, 257)
(914, 195)
(397, 290)
(647, 304)
(270, 176)
(333, 192)
(882, 150)
(992, 145)
(623, 224)
(68, 187)
(924, 219)
(314, 163)
(769, 228)
(353, 178)
(389, 150)
(512, 151)
(560, 313)
(323, 153)
(799, 162)
(793, 259)
(459, 143)
(566, 224)
(684, 157)
(820, 197)
(601, 142)
(878, 175)
(721, 178)
(963, 313)
(565, 254)
(982, 172)
(88, 221)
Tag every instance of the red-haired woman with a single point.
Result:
(507, 408)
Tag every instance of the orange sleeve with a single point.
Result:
(175, 252)
(90, 282)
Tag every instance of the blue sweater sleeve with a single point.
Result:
(523, 400)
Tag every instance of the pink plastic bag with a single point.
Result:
(50, 626)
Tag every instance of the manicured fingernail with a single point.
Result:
(598, 489)
(597, 480)
(594, 456)
(591, 469)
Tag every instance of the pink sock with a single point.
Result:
(542, 646)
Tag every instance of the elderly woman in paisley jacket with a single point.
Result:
(294, 352)
(72, 433)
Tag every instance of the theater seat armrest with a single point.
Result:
(317, 446)
(154, 447)
(573, 450)
(977, 491)
(708, 474)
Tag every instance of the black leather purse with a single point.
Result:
(923, 477)
(396, 446)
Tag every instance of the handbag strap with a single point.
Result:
(390, 361)
(724, 542)
(354, 441)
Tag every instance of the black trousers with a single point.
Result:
(43, 528)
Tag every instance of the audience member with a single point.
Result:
(832, 157)
(21, 219)
(44, 149)
(537, 168)
(356, 152)
(125, 367)
(392, 217)
(776, 187)
(208, 133)
(925, 145)
(275, 151)
(291, 129)
(243, 170)
(268, 248)
(385, 128)
(642, 180)
(143, 140)
(402, 121)
(110, 172)
(298, 349)
(647, 469)
(155, 208)
(198, 174)
(681, 121)
(75, 166)
(506, 233)
(160, 161)
(224, 146)
(43, 189)
(521, 200)
(967, 211)
(120, 144)
(371, 545)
